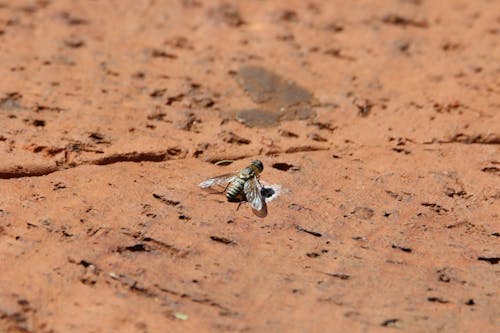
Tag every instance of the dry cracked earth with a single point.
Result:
(379, 120)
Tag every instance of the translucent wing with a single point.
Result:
(252, 189)
(219, 180)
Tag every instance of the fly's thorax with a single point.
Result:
(249, 172)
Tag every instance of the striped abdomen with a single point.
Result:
(235, 189)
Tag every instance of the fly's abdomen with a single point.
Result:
(235, 189)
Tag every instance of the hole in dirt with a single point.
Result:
(232, 138)
(490, 260)
(157, 53)
(340, 276)
(158, 93)
(74, 42)
(443, 277)
(435, 207)
(38, 123)
(174, 151)
(222, 240)
(402, 150)
(284, 166)
(389, 322)
(288, 134)
(85, 263)
(493, 170)
(23, 302)
(267, 192)
(437, 300)
(470, 302)
(59, 186)
(394, 19)
(402, 248)
(316, 137)
(98, 138)
(135, 248)
(165, 200)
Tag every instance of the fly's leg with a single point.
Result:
(224, 190)
(241, 202)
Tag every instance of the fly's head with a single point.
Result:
(258, 164)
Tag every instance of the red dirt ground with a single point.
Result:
(379, 119)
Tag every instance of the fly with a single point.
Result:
(242, 186)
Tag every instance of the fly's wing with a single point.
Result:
(219, 180)
(252, 189)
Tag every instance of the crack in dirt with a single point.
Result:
(168, 248)
(152, 244)
(135, 157)
(310, 232)
(173, 153)
(480, 138)
(156, 291)
(225, 311)
(33, 172)
(139, 288)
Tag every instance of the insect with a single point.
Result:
(242, 186)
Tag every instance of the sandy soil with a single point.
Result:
(379, 119)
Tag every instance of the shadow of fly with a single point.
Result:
(243, 186)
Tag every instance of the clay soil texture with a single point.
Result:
(378, 123)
